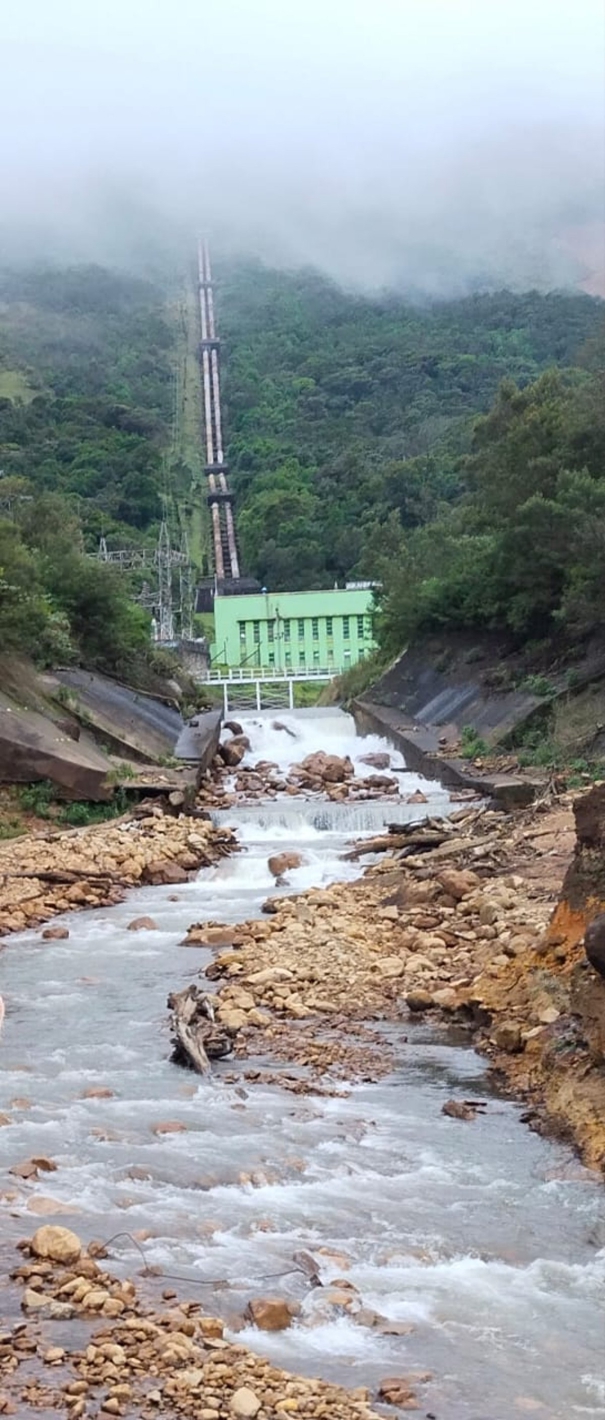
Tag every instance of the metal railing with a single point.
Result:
(237, 674)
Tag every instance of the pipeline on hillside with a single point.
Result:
(220, 497)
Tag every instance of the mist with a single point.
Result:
(438, 146)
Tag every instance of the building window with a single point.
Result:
(315, 628)
(346, 627)
(360, 627)
(347, 655)
(301, 658)
(286, 626)
(256, 630)
(271, 658)
(330, 657)
(301, 627)
(329, 626)
(316, 658)
(242, 630)
(288, 658)
(271, 630)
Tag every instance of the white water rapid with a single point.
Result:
(487, 1240)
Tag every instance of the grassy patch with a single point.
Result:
(40, 799)
(351, 683)
(15, 385)
(472, 745)
(308, 693)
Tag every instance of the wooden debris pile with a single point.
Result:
(473, 835)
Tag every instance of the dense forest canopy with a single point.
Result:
(86, 394)
(95, 349)
(455, 452)
(350, 420)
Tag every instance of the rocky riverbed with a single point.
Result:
(138, 1360)
(451, 922)
(454, 921)
(47, 873)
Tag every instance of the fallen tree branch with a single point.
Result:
(196, 1037)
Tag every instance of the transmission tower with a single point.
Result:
(185, 592)
(165, 616)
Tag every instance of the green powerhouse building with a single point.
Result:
(294, 631)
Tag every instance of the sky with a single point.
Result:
(436, 145)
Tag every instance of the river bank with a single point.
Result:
(425, 933)
(48, 873)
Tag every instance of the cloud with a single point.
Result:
(439, 144)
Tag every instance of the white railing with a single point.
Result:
(237, 674)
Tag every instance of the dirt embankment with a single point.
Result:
(462, 920)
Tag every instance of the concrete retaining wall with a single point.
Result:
(419, 746)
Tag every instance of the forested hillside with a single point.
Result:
(455, 452)
(352, 429)
(86, 391)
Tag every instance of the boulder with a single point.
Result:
(507, 1036)
(232, 1018)
(281, 863)
(30, 1168)
(594, 944)
(232, 753)
(234, 727)
(159, 874)
(278, 725)
(458, 882)
(376, 759)
(380, 781)
(244, 1403)
(142, 924)
(390, 966)
(327, 768)
(459, 1109)
(55, 934)
(271, 1313)
(56, 1244)
(418, 1000)
(395, 1390)
(240, 740)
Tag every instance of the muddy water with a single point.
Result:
(486, 1241)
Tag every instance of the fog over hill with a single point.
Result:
(438, 145)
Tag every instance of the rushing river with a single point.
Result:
(487, 1240)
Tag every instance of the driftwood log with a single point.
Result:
(197, 1039)
(405, 838)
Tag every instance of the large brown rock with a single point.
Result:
(281, 863)
(376, 759)
(271, 1313)
(457, 882)
(159, 874)
(232, 752)
(396, 1390)
(56, 1244)
(327, 768)
(594, 944)
(383, 782)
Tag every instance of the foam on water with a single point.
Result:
(460, 1230)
